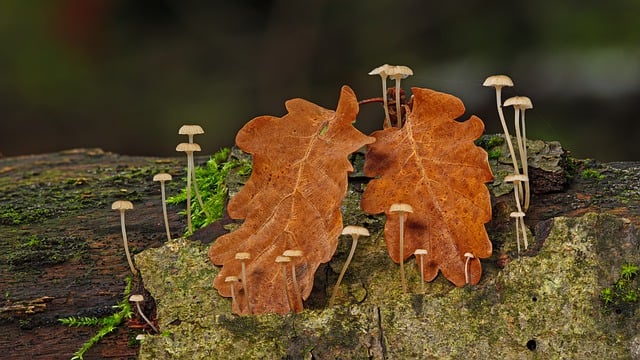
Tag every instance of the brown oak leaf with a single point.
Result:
(432, 164)
(291, 201)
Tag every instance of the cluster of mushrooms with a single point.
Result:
(123, 205)
(521, 193)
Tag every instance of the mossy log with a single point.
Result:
(62, 255)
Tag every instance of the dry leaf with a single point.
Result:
(432, 164)
(291, 201)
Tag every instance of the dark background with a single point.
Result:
(125, 74)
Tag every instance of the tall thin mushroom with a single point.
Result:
(232, 280)
(294, 254)
(518, 215)
(402, 210)
(355, 232)
(188, 148)
(122, 206)
(520, 104)
(190, 131)
(469, 256)
(498, 82)
(137, 298)
(283, 260)
(243, 257)
(421, 253)
(382, 71)
(162, 177)
(398, 73)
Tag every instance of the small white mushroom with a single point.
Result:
(284, 260)
(355, 232)
(188, 148)
(520, 104)
(190, 131)
(498, 82)
(397, 73)
(233, 280)
(122, 206)
(137, 298)
(402, 210)
(519, 216)
(162, 177)
(421, 253)
(382, 71)
(294, 254)
(469, 256)
(243, 257)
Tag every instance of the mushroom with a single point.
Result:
(469, 256)
(382, 71)
(397, 73)
(402, 210)
(188, 148)
(355, 232)
(162, 177)
(122, 206)
(284, 260)
(498, 82)
(232, 280)
(137, 298)
(519, 215)
(293, 254)
(421, 253)
(243, 257)
(190, 131)
(520, 104)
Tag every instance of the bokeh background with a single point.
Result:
(123, 75)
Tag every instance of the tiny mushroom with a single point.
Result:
(421, 253)
(383, 72)
(498, 82)
(243, 257)
(284, 260)
(137, 298)
(162, 177)
(402, 210)
(519, 216)
(122, 206)
(294, 254)
(520, 104)
(190, 131)
(397, 73)
(469, 256)
(355, 232)
(233, 280)
(188, 148)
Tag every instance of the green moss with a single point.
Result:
(624, 292)
(211, 183)
(44, 251)
(592, 174)
(107, 324)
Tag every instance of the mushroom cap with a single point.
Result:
(243, 256)
(231, 279)
(140, 337)
(469, 255)
(420, 252)
(162, 177)
(355, 230)
(190, 130)
(283, 259)
(188, 147)
(516, 177)
(121, 205)
(292, 253)
(401, 208)
(520, 102)
(517, 214)
(399, 72)
(382, 70)
(136, 298)
(498, 81)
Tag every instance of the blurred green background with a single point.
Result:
(123, 75)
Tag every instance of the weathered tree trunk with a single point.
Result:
(61, 247)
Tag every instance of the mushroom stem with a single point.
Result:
(145, 318)
(243, 257)
(521, 150)
(164, 211)
(525, 165)
(469, 256)
(126, 246)
(189, 226)
(387, 119)
(293, 254)
(284, 260)
(195, 186)
(421, 253)
(507, 136)
(354, 244)
(398, 106)
(402, 277)
(232, 280)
